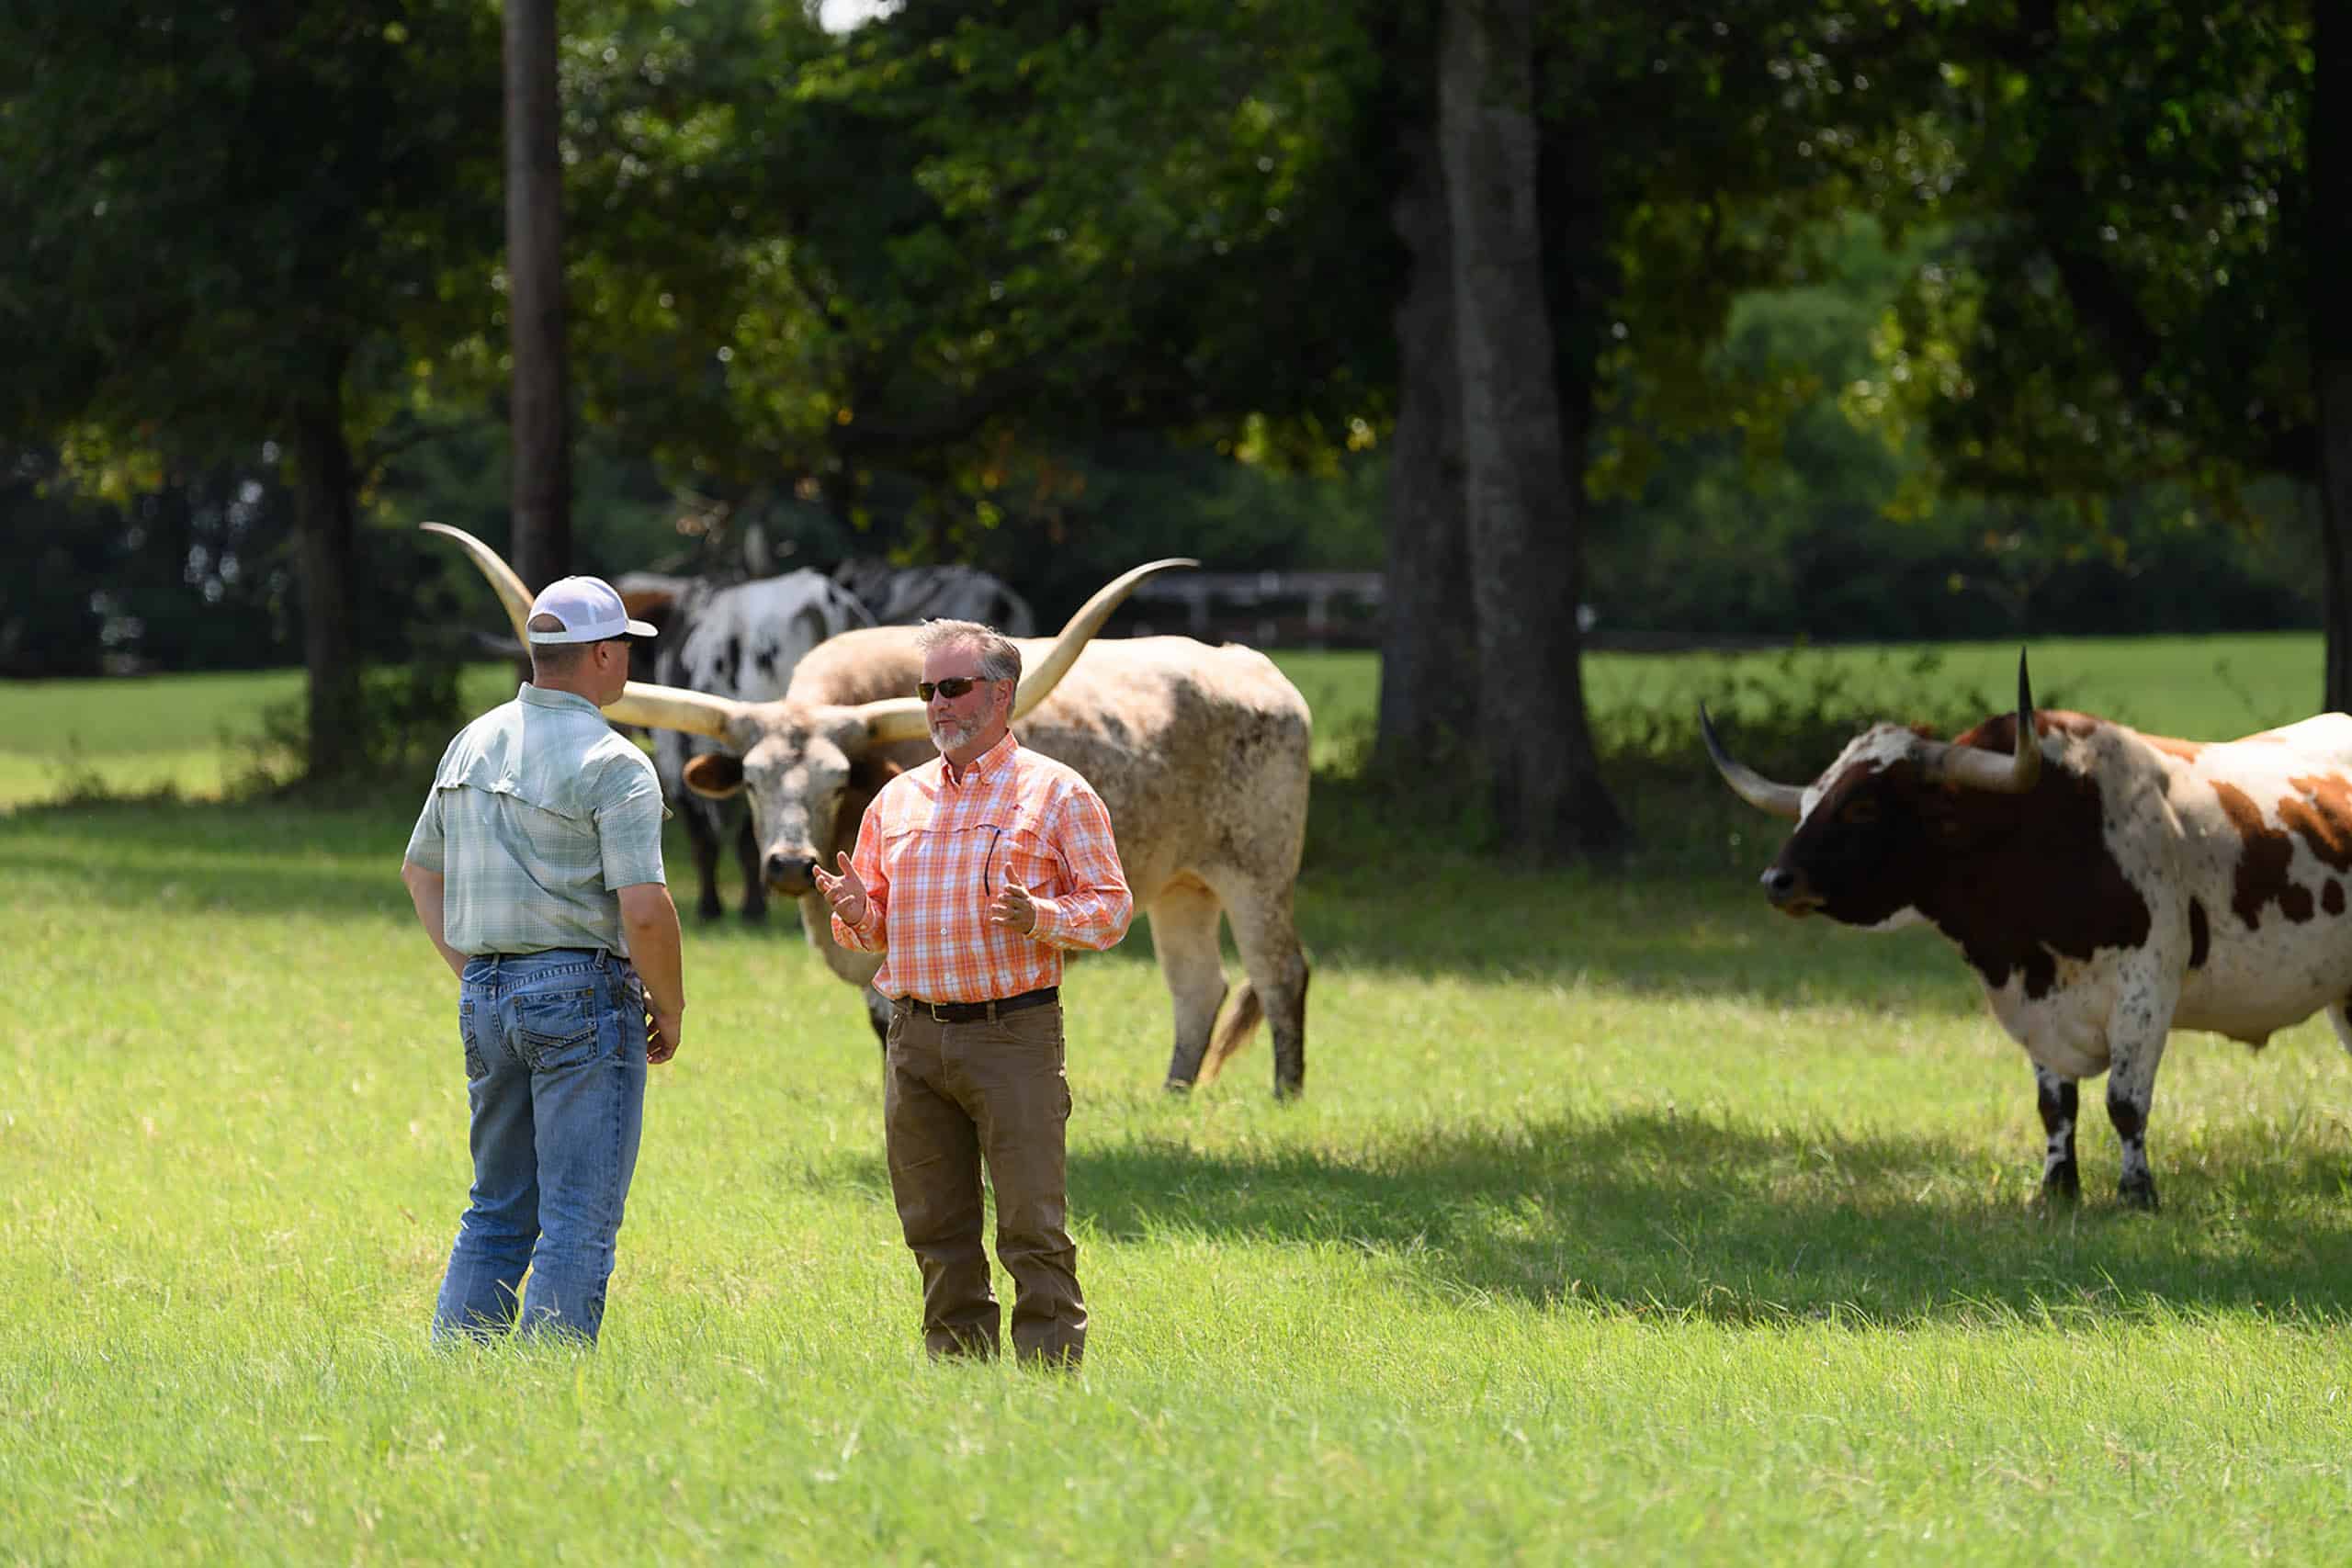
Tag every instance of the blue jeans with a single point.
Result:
(555, 1071)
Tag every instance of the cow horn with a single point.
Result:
(902, 718)
(2014, 774)
(1780, 800)
(674, 707)
(656, 707)
(510, 589)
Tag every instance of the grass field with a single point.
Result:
(192, 733)
(1620, 1221)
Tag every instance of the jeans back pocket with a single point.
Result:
(557, 1029)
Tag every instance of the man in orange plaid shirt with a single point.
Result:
(971, 874)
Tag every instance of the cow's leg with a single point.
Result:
(2131, 1090)
(877, 1013)
(2342, 1019)
(2062, 1180)
(1262, 929)
(1184, 932)
(755, 882)
(702, 837)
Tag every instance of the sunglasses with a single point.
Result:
(952, 687)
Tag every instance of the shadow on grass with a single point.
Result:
(1655, 1213)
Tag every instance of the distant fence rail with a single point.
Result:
(1281, 609)
(1271, 609)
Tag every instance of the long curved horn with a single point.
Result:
(640, 701)
(2014, 774)
(1780, 800)
(902, 718)
(674, 707)
(511, 591)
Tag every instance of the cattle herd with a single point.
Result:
(2105, 886)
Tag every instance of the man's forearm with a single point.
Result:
(1093, 919)
(425, 892)
(653, 947)
(869, 934)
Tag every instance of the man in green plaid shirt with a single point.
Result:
(535, 869)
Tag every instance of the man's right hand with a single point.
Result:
(845, 892)
(663, 1030)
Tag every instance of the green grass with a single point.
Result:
(194, 737)
(2205, 688)
(1620, 1221)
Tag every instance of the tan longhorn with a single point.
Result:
(1201, 754)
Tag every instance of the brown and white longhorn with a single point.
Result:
(2106, 887)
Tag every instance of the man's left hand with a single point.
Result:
(1014, 908)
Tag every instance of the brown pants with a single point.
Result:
(957, 1094)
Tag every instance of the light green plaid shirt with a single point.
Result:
(539, 813)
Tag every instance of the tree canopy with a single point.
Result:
(1798, 282)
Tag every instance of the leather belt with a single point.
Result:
(973, 1013)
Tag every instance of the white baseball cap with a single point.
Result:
(590, 610)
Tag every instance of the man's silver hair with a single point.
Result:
(1000, 660)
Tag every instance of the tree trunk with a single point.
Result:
(325, 482)
(2328, 230)
(540, 485)
(170, 527)
(1524, 500)
(1427, 646)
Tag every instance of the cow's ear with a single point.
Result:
(715, 776)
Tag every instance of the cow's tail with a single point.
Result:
(1241, 1019)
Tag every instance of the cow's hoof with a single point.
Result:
(2140, 1194)
(709, 912)
(2063, 1187)
(1286, 1092)
(1178, 1086)
(756, 914)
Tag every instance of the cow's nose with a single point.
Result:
(1779, 883)
(789, 873)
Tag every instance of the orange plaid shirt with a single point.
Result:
(934, 849)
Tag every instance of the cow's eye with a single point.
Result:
(1859, 812)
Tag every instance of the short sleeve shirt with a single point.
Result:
(539, 813)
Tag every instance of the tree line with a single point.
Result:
(922, 285)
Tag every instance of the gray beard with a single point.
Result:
(947, 737)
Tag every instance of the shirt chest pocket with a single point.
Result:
(1020, 854)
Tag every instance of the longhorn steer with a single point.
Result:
(2106, 887)
(739, 640)
(1200, 753)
